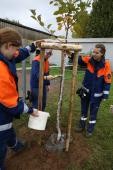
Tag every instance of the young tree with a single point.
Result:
(66, 17)
(69, 13)
(101, 19)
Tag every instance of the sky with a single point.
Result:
(20, 10)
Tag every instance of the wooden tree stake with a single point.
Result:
(41, 78)
(72, 94)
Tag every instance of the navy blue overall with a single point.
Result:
(10, 106)
(97, 82)
(34, 82)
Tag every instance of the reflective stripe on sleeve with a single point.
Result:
(5, 127)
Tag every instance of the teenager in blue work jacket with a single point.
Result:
(96, 86)
(10, 105)
(34, 79)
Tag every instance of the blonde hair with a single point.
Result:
(10, 35)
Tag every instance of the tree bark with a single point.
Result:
(71, 102)
(41, 78)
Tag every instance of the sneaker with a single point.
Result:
(88, 134)
(20, 146)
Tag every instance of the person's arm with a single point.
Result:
(23, 53)
(17, 110)
(9, 95)
(47, 79)
(107, 80)
(35, 69)
(83, 60)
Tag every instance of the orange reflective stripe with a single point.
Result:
(86, 59)
(90, 68)
(46, 63)
(101, 72)
(106, 72)
(8, 91)
(37, 58)
(107, 75)
(46, 66)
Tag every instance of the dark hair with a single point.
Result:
(49, 52)
(10, 35)
(102, 48)
(37, 51)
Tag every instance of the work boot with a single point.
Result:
(20, 146)
(88, 134)
(79, 128)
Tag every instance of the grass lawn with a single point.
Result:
(101, 143)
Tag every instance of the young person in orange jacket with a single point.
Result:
(34, 79)
(96, 86)
(10, 105)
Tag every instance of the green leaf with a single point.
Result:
(33, 17)
(59, 19)
(59, 26)
(33, 11)
(56, 13)
(51, 2)
(39, 18)
(56, 4)
(52, 31)
(41, 23)
(49, 26)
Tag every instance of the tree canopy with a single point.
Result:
(101, 19)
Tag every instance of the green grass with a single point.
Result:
(101, 143)
(19, 65)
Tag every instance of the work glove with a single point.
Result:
(33, 48)
(50, 77)
(27, 109)
(35, 112)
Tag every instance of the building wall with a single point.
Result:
(87, 45)
(26, 32)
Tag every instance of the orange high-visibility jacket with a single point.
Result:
(97, 77)
(46, 63)
(8, 88)
(34, 79)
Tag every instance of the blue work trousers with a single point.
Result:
(94, 106)
(35, 93)
(7, 139)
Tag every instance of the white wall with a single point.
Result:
(56, 58)
(87, 45)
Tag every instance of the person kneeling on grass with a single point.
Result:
(95, 86)
(10, 105)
